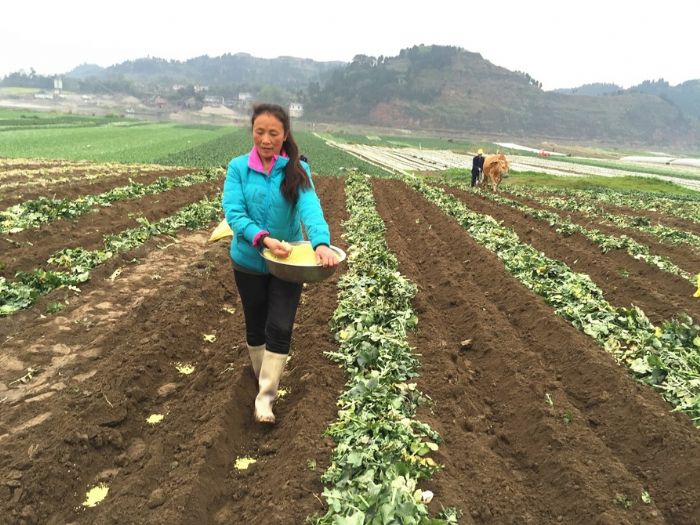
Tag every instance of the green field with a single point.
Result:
(105, 140)
(112, 138)
(626, 184)
(6, 90)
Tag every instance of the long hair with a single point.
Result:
(295, 176)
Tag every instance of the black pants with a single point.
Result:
(475, 177)
(269, 307)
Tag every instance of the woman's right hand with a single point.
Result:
(278, 248)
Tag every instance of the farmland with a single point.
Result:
(528, 357)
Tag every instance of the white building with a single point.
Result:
(57, 86)
(296, 110)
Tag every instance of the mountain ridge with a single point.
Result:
(445, 87)
(425, 86)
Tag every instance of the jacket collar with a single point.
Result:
(255, 162)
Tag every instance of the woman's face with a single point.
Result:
(268, 136)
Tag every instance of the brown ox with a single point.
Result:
(494, 168)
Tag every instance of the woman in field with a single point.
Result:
(268, 194)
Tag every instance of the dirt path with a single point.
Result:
(108, 362)
(511, 456)
(284, 485)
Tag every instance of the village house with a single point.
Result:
(211, 99)
(296, 110)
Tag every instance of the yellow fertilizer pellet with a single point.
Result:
(302, 255)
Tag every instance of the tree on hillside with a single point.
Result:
(531, 81)
(273, 94)
(23, 79)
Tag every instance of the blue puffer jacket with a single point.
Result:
(252, 202)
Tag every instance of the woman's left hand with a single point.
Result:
(325, 256)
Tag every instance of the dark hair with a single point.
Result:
(295, 176)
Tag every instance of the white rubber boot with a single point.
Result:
(256, 357)
(270, 374)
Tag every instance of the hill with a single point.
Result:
(442, 87)
(597, 88)
(685, 96)
(85, 70)
(424, 87)
(225, 75)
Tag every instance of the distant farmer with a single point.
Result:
(477, 166)
(268, 196)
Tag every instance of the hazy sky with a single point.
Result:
(560, 43)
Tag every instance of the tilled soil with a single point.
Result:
(685, 257)
(13, 191)
(539, 424)
(108, 362)
(31, 248)
(655, 216)
(625, 280)
(511, 456)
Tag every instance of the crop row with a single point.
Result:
(77, 263)
(666, 357)
(674, 170)
(327, 160)
(108, 142)
(565, 226)
(216, 152)
(403, 160)
(681, 206)
(10, 163)
(406, 141)
(13, 120)
(591, 167)
(323, 159)
(119, 170)
(590, 209)
(34, 213)
(28, 169)
(381, 450)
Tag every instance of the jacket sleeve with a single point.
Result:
(311, 215)
(235, 207)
